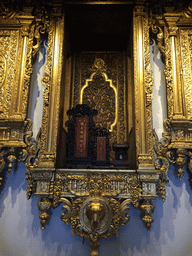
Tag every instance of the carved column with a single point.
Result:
(143, 82)
(52, 87)
(139, 66)
(171, 20)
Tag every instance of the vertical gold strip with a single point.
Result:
(177, 101)
(52, 88)
(22, 74)
(186, 75)
(141, 84)
(171, 20)
(125, 99)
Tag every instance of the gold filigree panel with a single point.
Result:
(8, 62)
(99, 93)
(16, 45)
(99, 81)
(186, 59)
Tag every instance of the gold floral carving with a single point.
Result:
(92, 185)
(168, 74)
(91, 68)
(28, 72)
(143, 78)
(136, 82)
(3, 70)
(8, 49)
(99, 93)
(148, 79)
(46, 81)
(186, 57)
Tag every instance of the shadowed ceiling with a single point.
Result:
(94, 28)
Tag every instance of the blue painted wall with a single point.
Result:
(21, 233)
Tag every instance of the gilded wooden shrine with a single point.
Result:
(96, 151)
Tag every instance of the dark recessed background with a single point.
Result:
(98, 27)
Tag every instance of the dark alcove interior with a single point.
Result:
(101, 32)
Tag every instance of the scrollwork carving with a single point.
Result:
(41, 27)
(95, 217)
(163, 157)
(159, 31)
(66, 216)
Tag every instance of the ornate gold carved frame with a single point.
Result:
(95, 201)
(173, 29)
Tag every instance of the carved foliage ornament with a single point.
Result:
(177, 42)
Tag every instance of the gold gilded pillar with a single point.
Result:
(52, 88)
(143, 82)
(171, 20)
